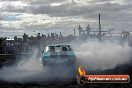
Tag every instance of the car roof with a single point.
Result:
(58, 45)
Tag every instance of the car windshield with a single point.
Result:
(64, 49)
(52, 49)
(58, 48)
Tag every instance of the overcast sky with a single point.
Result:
(65, 14)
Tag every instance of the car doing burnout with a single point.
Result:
(60, 60)
(58, 55)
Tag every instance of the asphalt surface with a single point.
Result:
(62, 85)
(123, 69)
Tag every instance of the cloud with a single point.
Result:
(65, 14)
(12, 6)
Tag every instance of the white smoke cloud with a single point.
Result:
(102, 55)
(32, 70)
(92, 55)
(26, 69)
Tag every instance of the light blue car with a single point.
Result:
(58, 55)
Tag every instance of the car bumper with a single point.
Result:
(58, 62)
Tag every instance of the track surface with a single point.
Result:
(62, 85)
(125, 69)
